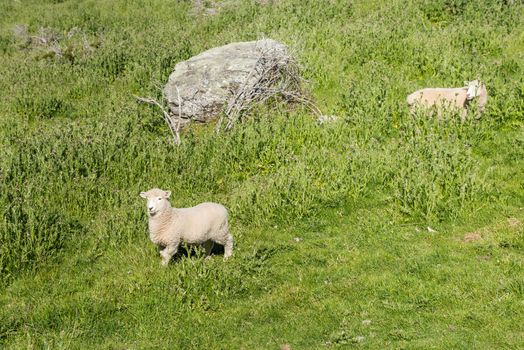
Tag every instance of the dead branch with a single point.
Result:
(174, 128)
(179, 115)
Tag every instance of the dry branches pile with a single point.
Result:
(214, 7)
(44, 36)
(275, 75)
(47, 42)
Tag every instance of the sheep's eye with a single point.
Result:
(159, 199)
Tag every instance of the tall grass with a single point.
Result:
(76, 149)
(437, 177)
(326, 217)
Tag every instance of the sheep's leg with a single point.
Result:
(228, 247)
(168, 253)
(208, 246)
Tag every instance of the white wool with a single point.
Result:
(204, 223)
(459, 98)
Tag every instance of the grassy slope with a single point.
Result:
(79, 272)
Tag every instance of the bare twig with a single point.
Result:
(175, 129)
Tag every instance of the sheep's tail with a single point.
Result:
(225, 226)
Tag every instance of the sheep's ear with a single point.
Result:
(143, 195)
(168, 194)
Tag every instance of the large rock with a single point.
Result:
(207, 82)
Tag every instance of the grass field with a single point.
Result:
(377, 231)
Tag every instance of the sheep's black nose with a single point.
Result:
(150, 208)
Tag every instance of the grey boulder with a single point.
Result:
(199, 88)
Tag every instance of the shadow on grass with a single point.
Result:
(195, 251)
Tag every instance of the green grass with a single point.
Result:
(330, 221)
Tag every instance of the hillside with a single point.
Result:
(380, 230)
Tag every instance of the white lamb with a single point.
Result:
(202, 224)
(460, 98)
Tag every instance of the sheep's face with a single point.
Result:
(473, 89)
(157, 200)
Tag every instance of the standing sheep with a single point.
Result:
(202, 224)
(460, 98)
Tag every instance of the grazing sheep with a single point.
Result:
(202, 224)
(460, 98)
